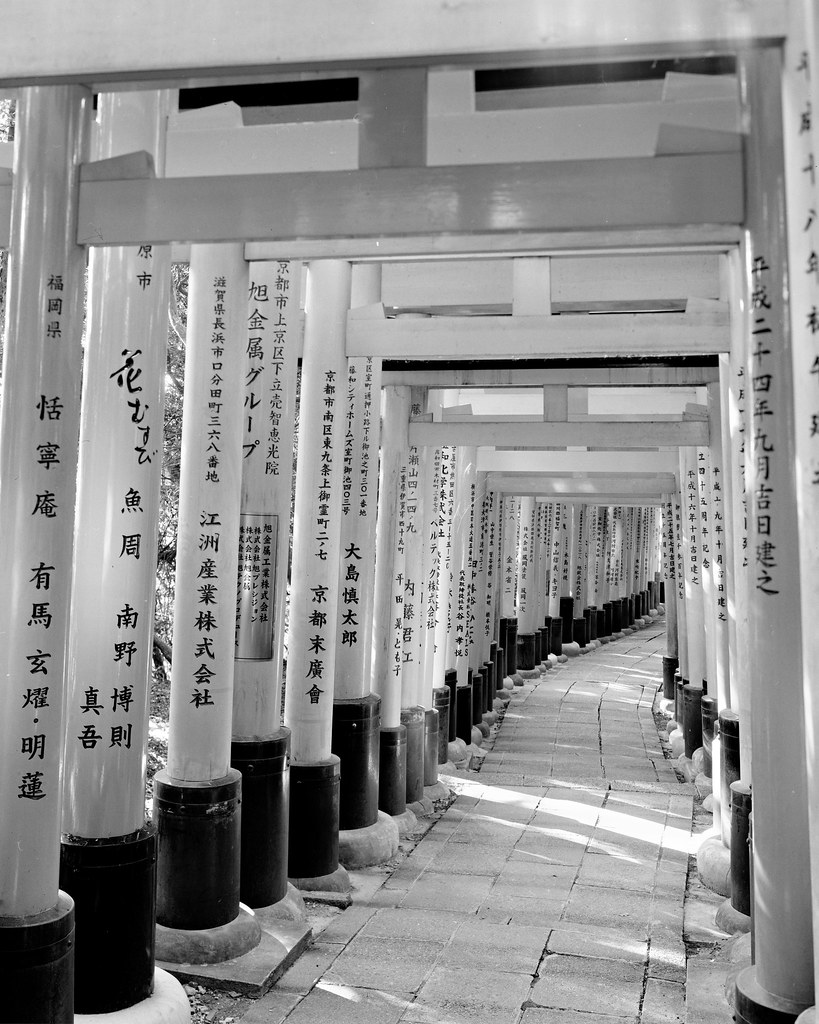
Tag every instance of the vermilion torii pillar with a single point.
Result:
(781, 980)
(309, 692)
(197, 797)
(42, 370)
(260, 744)
(108, 850)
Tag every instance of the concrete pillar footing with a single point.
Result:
(517, 679)
(372, 844)
(406, 822)
(730, 920)
(571, 650)
(209, 945)
(508, 682)
(528, 673)
(483, 728)
(336, 881)
(490, 717)
(684, 767)
(677, 741)
(703, 783)
(167, 1004)
(477, 737)
(714, 865)
(289, 908)
(456, 752)
(421, 808)
(437, 792)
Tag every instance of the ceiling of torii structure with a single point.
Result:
(554, 190)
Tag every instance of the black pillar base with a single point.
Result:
(556, 630)
(37, 954)
(588, 618)
(440, 701)
(740, 850)
(198, 862)
(113, 885)
(600, 624)
(616, 620)
(489, 687)
(526, 652)
(392, 776)
(545, 642)
(579, 631)
(431, 729)
(567, 615)
(500, 667)
(592, 610)
(670, 666)
(730, 767)
(356, 724)
(754, 1005)
(692, 718)
(451, 683)
(709, 720)
(607, 628)
(511, 646)
(312, 848)
(413, 721)
(463, 713)
(265, 769)
(476, 681)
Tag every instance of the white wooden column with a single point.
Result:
(783, 940)
(42, 370)
(692, 566)
(273, 340)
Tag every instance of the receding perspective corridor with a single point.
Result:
(551, 890)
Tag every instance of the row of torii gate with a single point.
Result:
(688, 273)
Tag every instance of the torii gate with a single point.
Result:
(660, 202)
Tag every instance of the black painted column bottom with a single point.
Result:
(265, 769)
(670, 665)
(198, 867)
(113, 885)
(463, 713)
(37, 954)
(413, 721)
(451, 683)
(392, 780)
(526, 652)
(431, 746)
(440, 701)
(312, 849)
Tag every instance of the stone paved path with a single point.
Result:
(550, 892)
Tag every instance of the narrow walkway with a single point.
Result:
(550, 891)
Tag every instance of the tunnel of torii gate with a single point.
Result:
(551, 282)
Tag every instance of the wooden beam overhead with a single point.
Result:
(602, 435)
(61, 40)
(493, 199)
(588, 487)
(532, 337)
(717, 237)
(566, 463)
(580, 376)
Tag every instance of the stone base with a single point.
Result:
(571, 650)
(437, 792)
(517, 679)
(456, 753)
(529, 673)
(282, 943)
(490, 718)
(677, 741)
(545, 666)
(208, 945)
(500, 702)
(732, 921)
(406, 822)
(289, 908)
(604, 639)
(714, 865)
(477, 736)
(167, 1004)
(508, 682)
(684, 767)
(553, 659)
(708, 803)
(421, 808)
(703, 783)
(333, 889)
(373, 844)
(562, 658)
